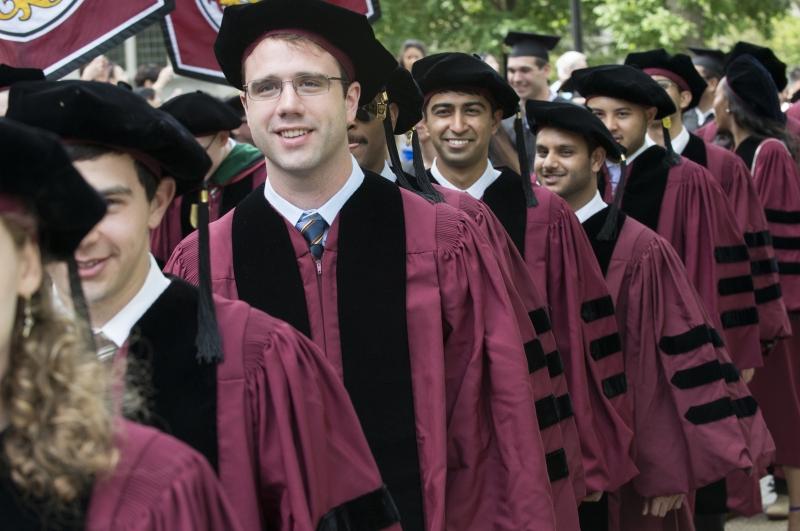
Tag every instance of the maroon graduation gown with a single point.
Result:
(158, 484)
(777, 180)
(273, 418)
(480, 458)
(177, 221)
(559, 259)
(559, 433)
(734, 177)
(692, 414)
(685, 205)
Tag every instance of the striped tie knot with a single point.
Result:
(312, 227)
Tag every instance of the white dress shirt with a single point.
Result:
(328, 211)
(387, 172)
(591, 208)
(679, 143)
(477, 189)
(702, 117)
(118, 328)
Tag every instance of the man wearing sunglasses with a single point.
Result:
(237, 168)
(402, 295)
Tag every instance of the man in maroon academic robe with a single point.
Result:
(681, 81)
(369, 140)
(252, 395)
(680, 200)
(404, 296)
(236, 168)
(684, 386)
(464, 100)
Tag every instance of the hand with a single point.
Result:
(97, 70)
(164, 76)
(747, 375)
(661, 505)
(593, 497)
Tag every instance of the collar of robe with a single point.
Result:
(645, 185)
(747, 149)
(180, 393)
(603, 249)
(695, 151)
(371, 291)
(508, 204)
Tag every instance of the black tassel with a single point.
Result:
(208, 342)
(426, 188)
(79, 304)
(524, 169)
(673, 159)
(609, 230)
(394, 157)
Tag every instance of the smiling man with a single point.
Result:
(678, 199)
(253, 395)
(675, 363)
(464, 102)
(403, 296)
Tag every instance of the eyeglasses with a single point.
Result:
(374, 109)
(304, 85)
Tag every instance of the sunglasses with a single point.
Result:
(374, 109)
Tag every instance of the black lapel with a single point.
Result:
(374, 337)
(645, 185)
(696, 151)
(603, 250)
(234, 193)
(264, 262)
(747, 149)
(507, 200)
(182, 398)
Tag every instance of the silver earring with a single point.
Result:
(28, 321)
(728, 111)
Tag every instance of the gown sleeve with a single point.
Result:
(777, 181)
(315, 467)
(687, 431)
(583, 318)
(159, 484)
(497, 475)
(773, 319)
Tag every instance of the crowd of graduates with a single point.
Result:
(381, 292)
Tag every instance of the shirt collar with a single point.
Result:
(477, 189)
(703, 116)
(679, 143)
(387, 172)
(591, 208)
(329, 210)
(118, 328)
(648, 143)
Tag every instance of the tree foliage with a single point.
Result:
(611, 28)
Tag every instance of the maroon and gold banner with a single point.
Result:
(191, 29)
(57, 36)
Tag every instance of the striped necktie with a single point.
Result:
(105, 347)
(312, 227)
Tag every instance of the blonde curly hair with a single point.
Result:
(60, 436)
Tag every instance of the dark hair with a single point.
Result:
(464, 90)
(146, 92)
(758, 125)
(148, 72)
(79, 152)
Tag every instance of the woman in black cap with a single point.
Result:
(65, 461)
(747, 107)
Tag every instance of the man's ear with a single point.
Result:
(497, 118)
(597, 159)
(161, 200)
(685, 99)
(650, 113)
(223, 137)
(351, 98)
